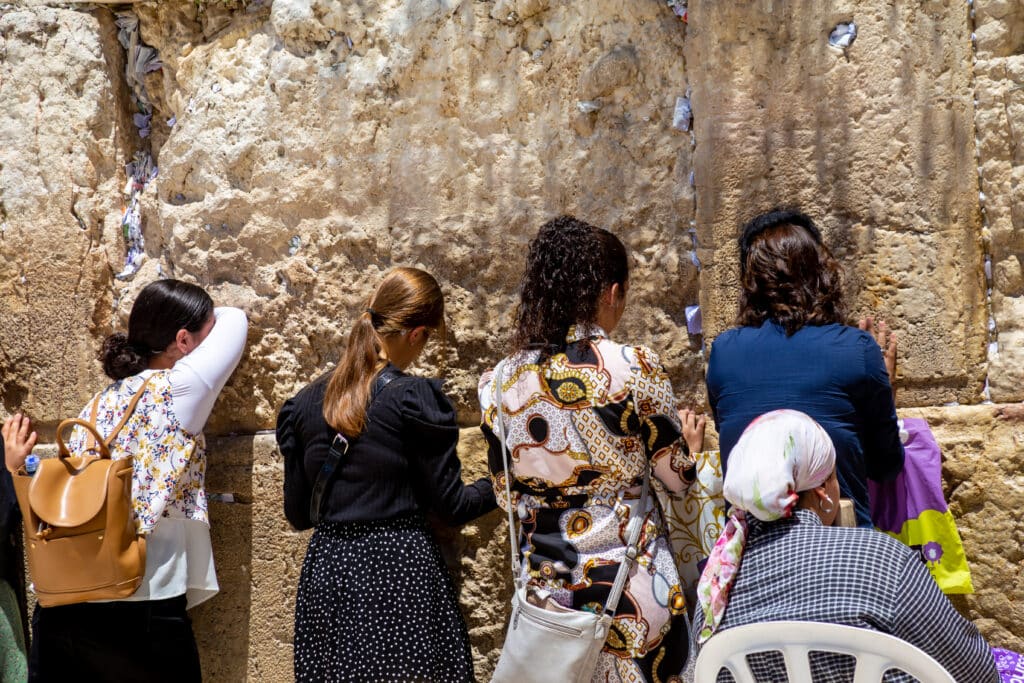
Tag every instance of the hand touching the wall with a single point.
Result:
(886, 340)
(693, 429)
(18, 440)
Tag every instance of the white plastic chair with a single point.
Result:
(875, 652)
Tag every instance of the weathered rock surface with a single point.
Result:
(983, 477)
(320, 143)
(999, 86)
(62, 151)
(875, 142)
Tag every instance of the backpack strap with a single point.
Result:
(94, 441)
(339, 447)
(127, 412)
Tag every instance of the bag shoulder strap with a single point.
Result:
(634, 526)
(499, 428)
(339, 447)
(127, 412)
(91, 443)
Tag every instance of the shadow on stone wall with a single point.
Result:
(223, 624)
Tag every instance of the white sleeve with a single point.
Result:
(196, 379)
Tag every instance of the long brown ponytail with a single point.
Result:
(407, 298)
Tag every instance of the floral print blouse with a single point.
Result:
(170, 463)
(582, 426)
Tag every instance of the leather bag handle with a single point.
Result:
(95, 438)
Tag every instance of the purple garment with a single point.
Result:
(1010, 665)
(917, 488)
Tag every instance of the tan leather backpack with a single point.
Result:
(80, 537)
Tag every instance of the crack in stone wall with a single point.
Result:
(998, 37)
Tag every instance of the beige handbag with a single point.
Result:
(555, 643)
(80, 537)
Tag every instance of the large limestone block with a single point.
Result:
(478, 557)
(875, 142)
(62, 150)
(319, 143)
(245, 632)
(999, 27)
(983, 473)
(999, 84)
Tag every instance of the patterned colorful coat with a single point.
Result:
(582, 426)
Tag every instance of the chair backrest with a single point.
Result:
(875, 652)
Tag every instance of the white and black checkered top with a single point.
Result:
(796, 569)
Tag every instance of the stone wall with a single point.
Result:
(999, 98)
(875, 141)
(305, 146)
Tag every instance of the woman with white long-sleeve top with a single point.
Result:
(178, 354)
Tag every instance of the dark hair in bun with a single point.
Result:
(162, 309)
(119, 359)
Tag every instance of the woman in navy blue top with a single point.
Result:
(791, 350)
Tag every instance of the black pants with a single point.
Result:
(120, 642)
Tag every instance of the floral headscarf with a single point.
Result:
(780, 454)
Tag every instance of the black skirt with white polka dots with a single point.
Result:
(376, 604)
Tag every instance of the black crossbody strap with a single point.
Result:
(339, 447)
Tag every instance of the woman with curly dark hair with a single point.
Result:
(584, 419)
(791, 349)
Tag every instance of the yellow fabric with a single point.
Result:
(935, 536)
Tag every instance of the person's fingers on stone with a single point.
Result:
(26, 424)
(881, 333)
(690, 424)
(887, 340)
(11, 425)
(701, 424)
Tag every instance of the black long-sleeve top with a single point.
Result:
(12, 560)
(403, 463)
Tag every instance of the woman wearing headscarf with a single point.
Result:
(792, 348)
(779, 559)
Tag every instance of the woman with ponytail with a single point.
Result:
(368, 453)
(177, 355)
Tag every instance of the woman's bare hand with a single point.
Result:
(886, 340)
(693, 429)
(18, 440)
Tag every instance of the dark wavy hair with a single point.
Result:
(568, 265)
(787, 274)
(161, 309)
